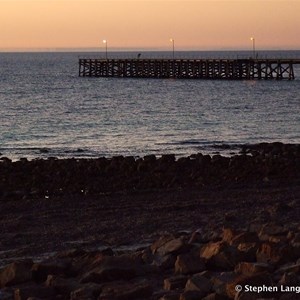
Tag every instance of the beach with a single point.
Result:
(126, 205)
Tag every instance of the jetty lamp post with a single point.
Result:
(105, 42)
(253, 46)
(173, 44)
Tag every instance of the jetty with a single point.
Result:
(230, 69)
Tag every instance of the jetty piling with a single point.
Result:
(237, 69)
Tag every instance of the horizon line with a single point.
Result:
(134, 49)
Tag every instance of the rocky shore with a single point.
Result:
(199, 227)
(55, 177)
(259, 263)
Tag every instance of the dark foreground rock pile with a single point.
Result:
(55, 177)
(265, 258)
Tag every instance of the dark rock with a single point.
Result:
(34, 291)
(44, 150)
(40, 271)
(5, 160)
(169, 245)
(290, 268)
(82, 261)
(214, 296)
(88, 291)
(16, 272)
(274, 253)
(248, 251)
(164, 262)
(62, 285)
(6, 295)
(239, 237)
(289, 296)
(289, 279)
(221, 256)
(128, 290)
(271, 229)
(175, 282)
(167, 158)
(247, 296)
(169, 296)
(191, 295)
(254, 280)
(248, 268)
(114, 268)
(189, 263)
(199, 283)
(221, 280)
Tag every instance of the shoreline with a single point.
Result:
(217, 148)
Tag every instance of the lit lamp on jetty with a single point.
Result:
(105, 42)
(173, 46)
(173, 55)
(253, 46)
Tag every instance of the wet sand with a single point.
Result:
(41, 226)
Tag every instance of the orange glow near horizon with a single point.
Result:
(139, 24)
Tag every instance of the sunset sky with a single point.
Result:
(145, 24)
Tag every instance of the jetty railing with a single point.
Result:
(237, 69)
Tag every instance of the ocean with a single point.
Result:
(47, 110)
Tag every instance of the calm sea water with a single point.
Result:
(47, 110)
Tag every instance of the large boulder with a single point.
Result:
(199, 283)
(272, 229)
(168, 245)
(189, 263)
(175, 282)
(115, 268)
(248, 251)
(220, 280)
(275, 253)
(248, 268)
(221, 256)
(234, 237)
(62, 285)
(41, 270)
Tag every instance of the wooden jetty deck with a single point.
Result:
(236, 69)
